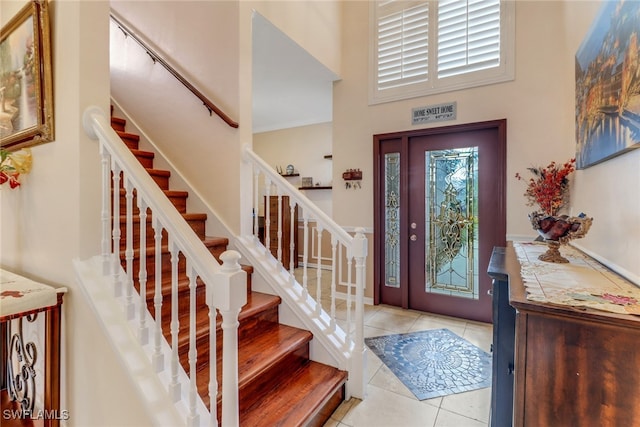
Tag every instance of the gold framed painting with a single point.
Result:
(26, 92)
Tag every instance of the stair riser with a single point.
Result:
(252, 392)
(197, 225)
(247, 327)
(145, 161)
(179, 201)
(118, 124)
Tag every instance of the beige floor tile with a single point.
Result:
(472, 404)
(479, 337)
(395, 321)
(424, 323)
(382, 408)
(451, 419)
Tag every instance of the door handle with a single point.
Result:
(413, 237)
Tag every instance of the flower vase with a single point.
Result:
(557, 231)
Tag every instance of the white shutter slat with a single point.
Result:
(402, 56)
(468, 36)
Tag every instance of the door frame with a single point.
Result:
(378, 208)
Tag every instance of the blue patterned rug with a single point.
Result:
(434, 363)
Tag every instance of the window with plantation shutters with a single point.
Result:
(426, 47)
(403, 47)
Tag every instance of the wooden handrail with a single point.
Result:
(157, 58)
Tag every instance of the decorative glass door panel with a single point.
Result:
(451, 238)
(392, 220)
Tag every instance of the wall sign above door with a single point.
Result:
(434, 113)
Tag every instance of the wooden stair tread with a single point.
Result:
(256, 303)
(127, 135)
(209, 242)
(169, 193)
(159, 172)
(142, 153)
(188, 216)
(298, 399)
(279, 339)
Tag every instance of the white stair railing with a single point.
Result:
(225, 285)
(338, 266)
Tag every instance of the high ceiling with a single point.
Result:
(290, 87)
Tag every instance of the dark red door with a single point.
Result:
(439, 212)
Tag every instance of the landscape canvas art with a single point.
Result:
(607, 68)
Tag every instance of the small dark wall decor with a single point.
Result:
(26, 87)
(608, 85)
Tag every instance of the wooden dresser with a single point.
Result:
(289, 221)
(573, 365)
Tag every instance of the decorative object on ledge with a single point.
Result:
(352, 175)
(559, 230)
(549, 189)
(26, 88)
(12, 164)
(316, 187)
(307, 182)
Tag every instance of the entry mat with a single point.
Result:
(434, 362)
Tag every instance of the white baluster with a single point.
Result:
(193, 418)
(267, 214)
(279, 234)
(334, 271)
(158, 356)
(349, 292)
(174, 386)
(229, 294)
(256, 204)
(359, 351)
(305, 255)
(213, 365)
(129, 308)
(143, 330)
(319, 271)
(105, 159)
(115, 230)
(292, 241)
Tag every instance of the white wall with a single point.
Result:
(54, 217)
(303, 147)
(538, 106)
(201, 40)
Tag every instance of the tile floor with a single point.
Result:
(389, 403)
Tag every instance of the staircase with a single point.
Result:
(278, 384)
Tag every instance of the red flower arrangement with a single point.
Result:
(12, 164)
(550, 186)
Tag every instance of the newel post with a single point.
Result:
(359, 356)
(228, 293)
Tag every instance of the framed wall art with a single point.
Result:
(608, 85)
(26, 92)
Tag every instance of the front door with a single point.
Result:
(439, 211)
